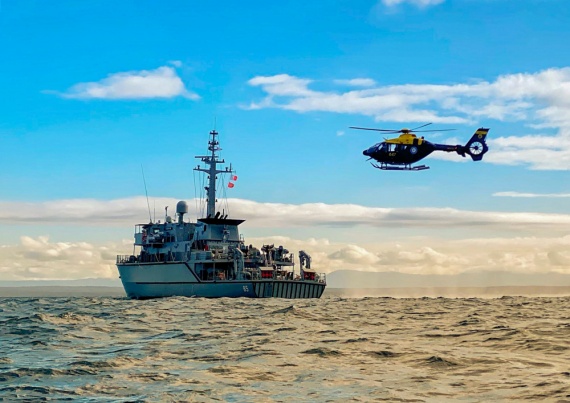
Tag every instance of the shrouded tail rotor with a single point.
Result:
(476, 147)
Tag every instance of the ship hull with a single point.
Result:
(177, 279)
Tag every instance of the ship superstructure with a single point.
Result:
(209, 258)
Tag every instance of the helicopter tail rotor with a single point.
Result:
(476, 147)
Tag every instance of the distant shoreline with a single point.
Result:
(399, 292)
(452, 292)
(61, 291)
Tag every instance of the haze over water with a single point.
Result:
(332, 349)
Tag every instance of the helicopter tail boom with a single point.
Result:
(476, 147)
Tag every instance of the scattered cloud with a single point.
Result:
(513, 96)
(539, 100)
(355, 255)
(41, 259)
(162, 82)
(539, 152)
(357, 82)
(532, 195)
(78, 211)
(436, 256)
(127, 211)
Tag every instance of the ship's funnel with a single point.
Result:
(181, 209)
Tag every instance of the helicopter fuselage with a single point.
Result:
(404, 150)
(399, 153)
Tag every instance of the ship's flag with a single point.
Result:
(231, 185)
(234, 178)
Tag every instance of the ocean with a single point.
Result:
(335, 349)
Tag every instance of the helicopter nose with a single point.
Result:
(365, 152)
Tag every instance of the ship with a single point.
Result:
(209, 257)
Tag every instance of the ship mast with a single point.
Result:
(212, 160)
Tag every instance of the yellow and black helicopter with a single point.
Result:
(401, 152)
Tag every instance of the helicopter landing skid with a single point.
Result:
(386, 167)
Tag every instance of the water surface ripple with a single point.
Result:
(241, 350)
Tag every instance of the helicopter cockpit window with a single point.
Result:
(391, 147)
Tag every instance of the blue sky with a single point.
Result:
(90, 91)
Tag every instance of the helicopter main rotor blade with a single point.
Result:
(409, 131)
(419, 127)
(376, 130)
(426, 131)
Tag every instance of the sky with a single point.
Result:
(91, 92)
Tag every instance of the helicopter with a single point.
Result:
(398, 154)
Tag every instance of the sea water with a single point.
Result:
(274, 350)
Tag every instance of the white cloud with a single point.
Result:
(540, 152)
(162, 82)
(283, 85)
(40, 259)
(510, 96)
(532, 195)
(540, 100)
(357, 82)
(354, 254)
(78, 211)
(437, 256)
(418, 3)
(133, 210)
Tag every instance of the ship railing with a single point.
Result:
(284, 262)
(286, 258)
(125, 259)
(251, 273)
(154, 258)
(202, 255)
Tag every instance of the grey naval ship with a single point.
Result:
(209, 258)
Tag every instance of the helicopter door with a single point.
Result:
(392, 150)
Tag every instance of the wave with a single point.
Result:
(335, 348)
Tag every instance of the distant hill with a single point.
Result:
(362, 279)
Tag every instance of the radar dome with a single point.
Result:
(182, 207)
